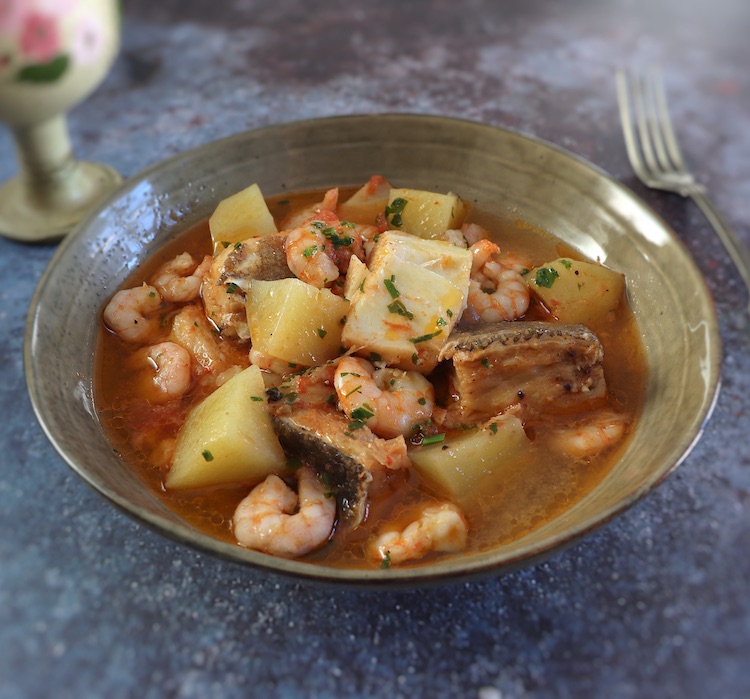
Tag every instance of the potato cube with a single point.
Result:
(463, 462)
(425, 214)
(367, 202)
(228, 438)
(294, 321)
(578, 292)
(241, 216)
(406, 306)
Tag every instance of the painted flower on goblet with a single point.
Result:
(53, 54)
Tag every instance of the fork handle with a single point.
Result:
(737, 251)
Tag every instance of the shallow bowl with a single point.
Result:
(503, 172)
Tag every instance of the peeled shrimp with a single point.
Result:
(319, 251)
(130, 313)
(389, 401)
(440, 527)
(275, 520)
(497, 291)
(180, 279)
(166, 371)
(467, 235)
(591, 437)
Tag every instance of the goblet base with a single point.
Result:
(30, 218)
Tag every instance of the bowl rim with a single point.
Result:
(461, 569)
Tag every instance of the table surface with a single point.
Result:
(655, 604)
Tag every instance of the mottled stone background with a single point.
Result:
(655, 604)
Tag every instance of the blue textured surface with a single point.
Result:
(655, 604)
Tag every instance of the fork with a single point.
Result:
(655, 156)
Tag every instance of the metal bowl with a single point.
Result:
(504, 173)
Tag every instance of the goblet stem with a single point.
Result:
(53, 191)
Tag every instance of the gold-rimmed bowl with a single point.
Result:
(504, 173)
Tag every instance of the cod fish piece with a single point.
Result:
(229, 277)
(551, 367)
(349, 457)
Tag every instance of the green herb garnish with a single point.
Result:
(395, 210)
(546, 276)
(398, 308)
(433, 439)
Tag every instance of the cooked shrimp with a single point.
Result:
(166, 371)
(130, 313)
(389, 401)
(275, 520)
(193, 331)
(180, 279)
(319, 251)
(496, 292)
(467, 235)
(590, 437)
(439, 527)
(297, 218)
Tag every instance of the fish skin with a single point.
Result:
(536, 366)
(347, 459)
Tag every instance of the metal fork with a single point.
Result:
(655, 156)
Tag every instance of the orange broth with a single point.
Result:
(519, 501)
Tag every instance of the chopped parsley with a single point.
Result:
(391, 287)
(395, 210)
(433, 439)
(322, 332)
(256, 398)
(364, 412)
(546, 276)
(309, 252)
(566, 263)
(232, 288)
(385, 564)
(493, 428)
(398, 308)
(424, 338)
(207, 455)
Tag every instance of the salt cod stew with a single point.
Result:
(368, 377)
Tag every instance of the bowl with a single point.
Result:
(505, 173)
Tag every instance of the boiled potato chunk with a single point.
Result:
(462, 463)
(367, 202)
(294, 321)
(426, 214)
(228, 438)
(578, 292)
(241, 216)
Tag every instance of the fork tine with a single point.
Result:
(655, 119)
(645, 121)
(660, 102)
(628, 131)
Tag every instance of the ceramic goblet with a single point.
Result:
(53, 54)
